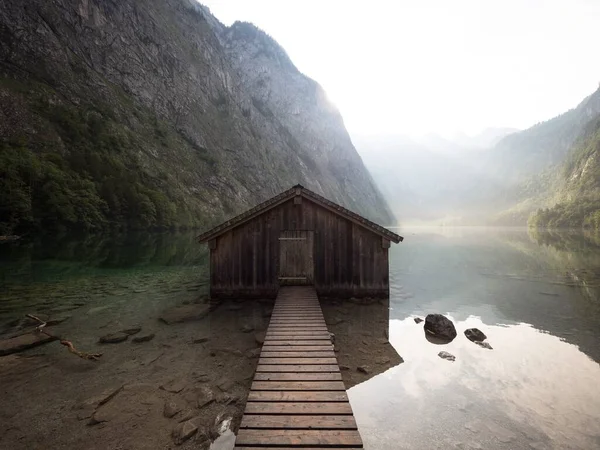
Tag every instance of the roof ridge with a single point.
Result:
(274, 201)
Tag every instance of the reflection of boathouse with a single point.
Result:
(361, 330)
(296, 238)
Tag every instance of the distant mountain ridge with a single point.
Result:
(545, 144)
(156, 115)
(446, 181)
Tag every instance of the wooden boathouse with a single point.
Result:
(299, 238)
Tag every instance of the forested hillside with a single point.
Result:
(155, 115)
(578, 191)
(535, 165)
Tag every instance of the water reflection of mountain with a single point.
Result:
(549, 280)
(53, 256)
(361, 338)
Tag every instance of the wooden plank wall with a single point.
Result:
(297, 398)
(349, 259)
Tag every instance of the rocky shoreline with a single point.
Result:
(175, 372)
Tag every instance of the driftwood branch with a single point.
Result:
(66, 343)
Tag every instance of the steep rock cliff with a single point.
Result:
(155, 114)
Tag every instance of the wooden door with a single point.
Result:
(296, 257)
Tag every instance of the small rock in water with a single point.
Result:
(344, 367)
(186, 415)
(364, 369)
(174, 386)
(86, 408)
(114, 338)
(253, 353)
(440, 326)
(382, 360)
(247, 328)
(200, 340)
(184, 313)
(143, 337)
(23, 342)
(259, 338)
(132, 330)
(226, 385)
(446, 355)
(332, 337)
(475, 334)
(100, 416)
(205, 396)
(484, 345)
(418, 320)
(171, 408)
(184, 431)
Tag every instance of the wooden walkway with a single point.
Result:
(297, 398)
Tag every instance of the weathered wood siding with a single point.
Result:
(349, 260)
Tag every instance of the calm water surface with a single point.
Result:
(536, 296)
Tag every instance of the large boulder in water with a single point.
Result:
(475, 334)
(440, 326)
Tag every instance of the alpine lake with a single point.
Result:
(173, 357)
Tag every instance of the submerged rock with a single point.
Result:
(447, 356)
(184, 431)
(114, 338)
(247, 328)
(174, 386)
(23, 342)
(418, 320)
(260, 337)
(205, 396)
(86, 409)
(475, 334)
(100, 416)
(253, 353)
(440, 327)
(132, 330)
(171, 408)
(143, 337)
(364, 369)
(184, 313)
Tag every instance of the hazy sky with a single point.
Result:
(436, 65)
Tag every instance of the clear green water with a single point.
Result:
(536, 296)
(54, 273)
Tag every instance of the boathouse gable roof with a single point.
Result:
(298, 191)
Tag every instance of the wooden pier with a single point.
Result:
(297, 398)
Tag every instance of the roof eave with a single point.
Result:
(288, 195)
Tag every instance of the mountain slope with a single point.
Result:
(545, 144)
(530, 164)
(578, 193)
(157, 115)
